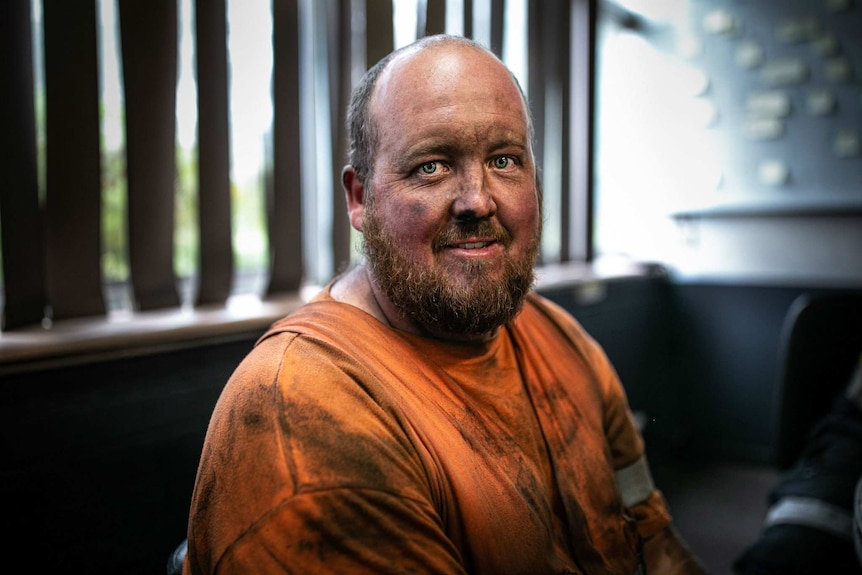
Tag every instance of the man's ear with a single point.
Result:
(354, 192)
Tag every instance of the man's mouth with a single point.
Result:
(477, 236)
(472, 245)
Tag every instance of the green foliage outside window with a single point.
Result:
(115, 262)
(186, 237)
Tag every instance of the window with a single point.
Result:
(287, 75)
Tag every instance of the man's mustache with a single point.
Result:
(461, 232)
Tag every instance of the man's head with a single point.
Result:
(361, 129)
(442, 184)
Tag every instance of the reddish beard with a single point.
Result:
(474, 304)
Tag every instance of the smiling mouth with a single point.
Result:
(473, 245)
(471, 236)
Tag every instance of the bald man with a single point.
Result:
(428, 412)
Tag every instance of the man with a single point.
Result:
(427, 413)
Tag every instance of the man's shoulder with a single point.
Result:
(321, 351)
(544, 320)
(538, 307)
(327, 331)
(322, 317)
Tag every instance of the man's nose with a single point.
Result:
(473, 197)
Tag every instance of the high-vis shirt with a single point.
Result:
(341, 445)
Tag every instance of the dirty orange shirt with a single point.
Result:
(340, 445)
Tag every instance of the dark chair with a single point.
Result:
(820, 343)
(175, 561)
(807, 528)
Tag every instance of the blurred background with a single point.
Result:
(171, 187)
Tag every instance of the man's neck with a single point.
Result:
(355, 288)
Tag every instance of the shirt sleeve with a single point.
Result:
(305, 471)
(345, 530)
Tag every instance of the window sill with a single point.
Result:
(124, 334)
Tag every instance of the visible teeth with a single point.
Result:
(474, 245)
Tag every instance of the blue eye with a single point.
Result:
(502, 162)
(428, 168)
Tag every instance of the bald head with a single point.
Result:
(362, 125)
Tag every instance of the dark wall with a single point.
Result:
(728, 361)
(703, 361)
(99, 459)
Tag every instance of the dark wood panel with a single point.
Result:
(20, 217)
(284, 208)
(99, 460)
(149, 55)
(379, 30)
(341, 59)
(214, 205)
(73, 195)
(435, 17)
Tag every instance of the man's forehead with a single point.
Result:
(440, 67)
(489, 132)
(445, 78)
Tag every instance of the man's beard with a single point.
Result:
(475, 303)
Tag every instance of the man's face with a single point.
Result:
(451, 220)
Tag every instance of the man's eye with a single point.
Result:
(502, 162)
(428, 168)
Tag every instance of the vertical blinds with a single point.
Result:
(73, 167)
(20, 217)
(214, 214)
(51, 246)
(148, 38)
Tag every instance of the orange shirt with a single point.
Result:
(340, 445)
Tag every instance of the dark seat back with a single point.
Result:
(821, 340)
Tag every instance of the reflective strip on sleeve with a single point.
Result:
(635, 482)
(812, 513)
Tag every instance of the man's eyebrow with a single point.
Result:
(426, 150)
(508, 143)
(450, 149)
